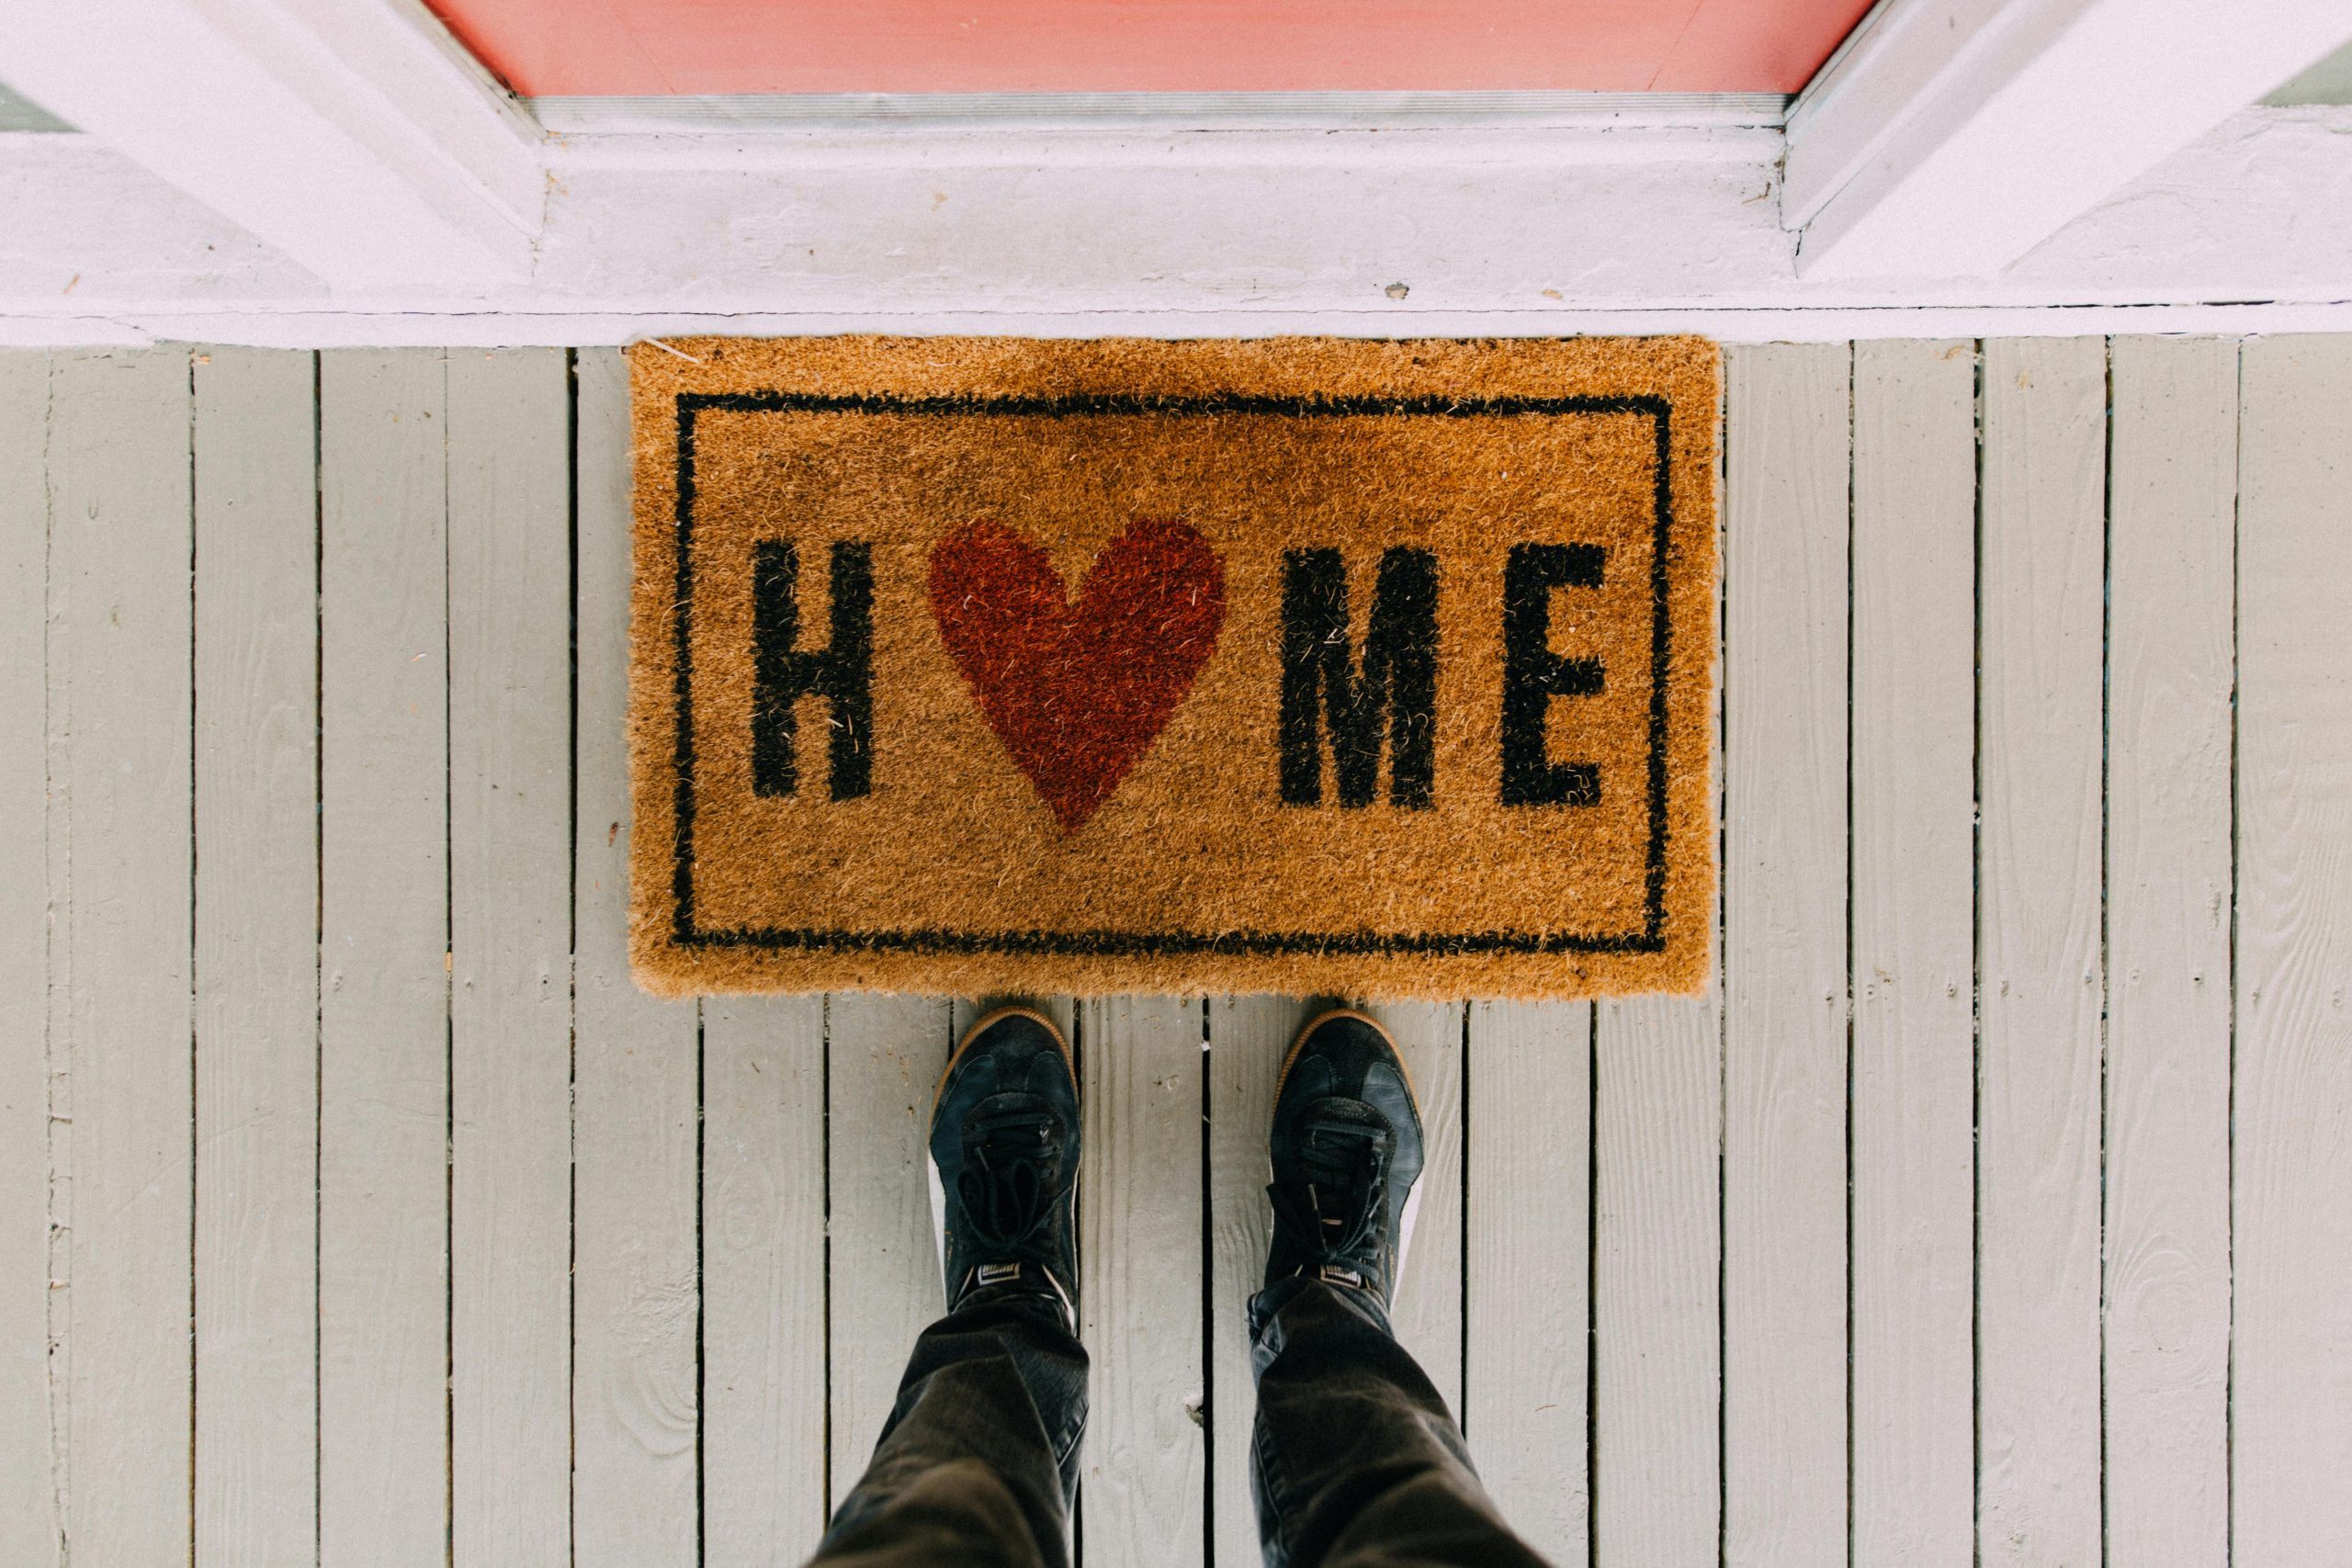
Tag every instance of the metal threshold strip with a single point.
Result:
(1219, 111)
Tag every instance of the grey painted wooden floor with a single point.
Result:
(1998, 1206)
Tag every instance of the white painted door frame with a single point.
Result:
(1950, 137)
(356, 136)
(345, 173)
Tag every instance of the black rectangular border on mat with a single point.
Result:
(1651, 938)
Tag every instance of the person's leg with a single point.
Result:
(978, 1458)
(1355, 1463)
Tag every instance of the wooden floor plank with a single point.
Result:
(1428, 1311)
(1146, 1456)
(634, 1282)
(2291, 1436)
(120, 681)
(1528, 1267)
(384, 961)
(884, 1055)
(2040, 970)
(1248, 1036)
(510, 884)
(120, 698)
(763, 1273)
(256, 958)
(1788, 452)
(777, 1444)
(2171, 506)
(1657, 1346)
(28, 1521)
(1913, 718)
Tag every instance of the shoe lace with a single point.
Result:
(1342, 1202)
(1007, 1192)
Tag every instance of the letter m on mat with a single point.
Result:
(1390, 697)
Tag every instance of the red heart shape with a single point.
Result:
(1078, 693)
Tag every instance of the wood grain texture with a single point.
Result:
(510, 886)
(1913, 739)
(2172, 488)
(120, 687)
(2040, 976)
(884, 1055)
(1426, 1313)
(634, 1280)
(1247, 1037)
(1528, 1267)
(384, 961)
(28, 1518)
(256, 958)
(1788, 462)
(2291, 1434)
(1145, 1457)
(57, 853)
(776, 1445)
(1657, 1347)
(764, 1274)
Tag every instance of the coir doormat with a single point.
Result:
(989, 664)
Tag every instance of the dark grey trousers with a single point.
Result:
(1355, 1463)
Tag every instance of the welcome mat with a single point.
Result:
(998, 665)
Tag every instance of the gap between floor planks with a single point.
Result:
(2280, 1266)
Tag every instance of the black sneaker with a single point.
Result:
(1004, 1147)
(1347, 1157)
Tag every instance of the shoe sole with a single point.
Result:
(931, 1166)
(1412, 1199)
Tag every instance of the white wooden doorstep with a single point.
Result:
(1925, 1224)
(1612, 228)
(368, 145)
